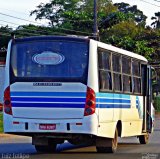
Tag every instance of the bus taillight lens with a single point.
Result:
(7, 101)
(90, 102)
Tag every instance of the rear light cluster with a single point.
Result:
(7, 101)
(90, 102)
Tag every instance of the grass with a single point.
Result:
(1, 122)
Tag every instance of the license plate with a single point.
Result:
(47, 126)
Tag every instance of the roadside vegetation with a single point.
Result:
(1, 122)
(157, 103)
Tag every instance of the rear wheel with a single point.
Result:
(144, 139)
(113, 142)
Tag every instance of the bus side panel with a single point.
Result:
(105, 116)
(92, 81)
(131, 128)
(107, 129)
(132, 119)
(105, 105)
(129, 111)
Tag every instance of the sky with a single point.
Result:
(22, 9)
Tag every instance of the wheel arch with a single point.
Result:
(119, 127)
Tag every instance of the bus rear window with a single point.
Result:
(65, 60)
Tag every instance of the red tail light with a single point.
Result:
(90, 102)
(7, 101)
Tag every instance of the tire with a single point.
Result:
(113, 142)
(144, 139)
(46, 148)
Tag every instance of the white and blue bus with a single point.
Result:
(76, 89)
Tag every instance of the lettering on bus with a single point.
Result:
(46, 84)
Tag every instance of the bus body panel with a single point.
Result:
(57, 100)
(118, 107)
(86, 125)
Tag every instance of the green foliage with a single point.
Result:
(137, 15)
(4, 36)
(123, 28)
(126, 42)
(54, 10)
(74, 14)
(129, 36)
(1, 122)
(157, 103)
(142, 49)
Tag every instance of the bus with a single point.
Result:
(60, 88)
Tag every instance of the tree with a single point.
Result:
(139, 17)
(5, 36)
(130, 36)
(156, 19)
(73, 14)
(53, 11)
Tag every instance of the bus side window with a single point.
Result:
(116, 65)
(137, 85)
(105, 80)
(136, 73)
(117, 82)
(104, 61)
(127, 84)
(126, 70)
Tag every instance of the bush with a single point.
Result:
(1, 122)
(157, 103)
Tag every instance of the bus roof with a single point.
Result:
(69, 38)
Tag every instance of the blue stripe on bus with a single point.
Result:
(34, 99)
(110, 100)
(111, 95)
(64, 105)
(28, 94)
(138, 106)
(113, 100)
(48, 105)
(114, 106)
(48, 99)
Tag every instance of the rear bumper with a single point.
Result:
(87, 125)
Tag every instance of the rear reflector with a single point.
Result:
(78, 123)
(15, 122)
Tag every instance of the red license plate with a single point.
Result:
(47, 126)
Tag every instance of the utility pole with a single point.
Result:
(95, 27)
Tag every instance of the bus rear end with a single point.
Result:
(46, 94)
